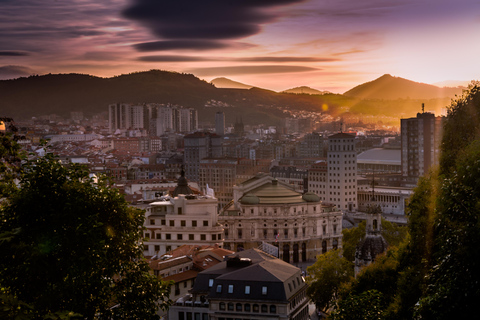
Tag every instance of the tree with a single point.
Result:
(325, 277)
(367, 305)
(71, 245)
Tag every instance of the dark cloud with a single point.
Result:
(173, 59)
(239, 70)
(13, 53)
(168, 58)
(210, 20)
(180, 45)
(12, 72)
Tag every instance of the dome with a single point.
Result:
(311, 197)
(250, 199)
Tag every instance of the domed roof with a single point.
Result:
(250, 199)
(182, 186)
(311, 197)
(274, 193)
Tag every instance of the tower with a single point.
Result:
(342, 169)
(220, 123)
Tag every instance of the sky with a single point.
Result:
(330, 45)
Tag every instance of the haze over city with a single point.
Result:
(275, 44)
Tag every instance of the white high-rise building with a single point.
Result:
(342, 169)
(126, 116)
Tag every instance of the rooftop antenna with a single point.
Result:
(423, 107)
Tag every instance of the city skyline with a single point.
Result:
(274, 44)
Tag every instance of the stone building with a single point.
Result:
(265, 210)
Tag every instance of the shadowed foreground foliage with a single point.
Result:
(70, 245)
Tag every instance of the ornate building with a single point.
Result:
(265, 210)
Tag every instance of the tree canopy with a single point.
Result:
(71, 245)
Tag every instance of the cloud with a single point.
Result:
(170, 58)
(180, 45)
(208, 20)
(240, 70)
(12, 72)
(13, 53)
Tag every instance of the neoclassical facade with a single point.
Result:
(265, 210)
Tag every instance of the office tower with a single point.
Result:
(421, 137)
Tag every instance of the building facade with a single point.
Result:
(248, 285)
(265, 210)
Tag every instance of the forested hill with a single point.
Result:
(62, 93)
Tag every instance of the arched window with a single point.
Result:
(273, 308)
(246, 307)
(238, 307)
(222, 306)
(264, 308)
(255, 308)
(230, 306)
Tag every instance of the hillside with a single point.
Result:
(61, 94)
(391, 88)
(227, 83)
(304, 90)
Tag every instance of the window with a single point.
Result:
(221, 306)
(164, 222)
(238, 307)
(210, 283)
(179, 211)
(230, 306)
(273, 308)
(169, 248)
(203, 237)
(264, 308)
(230, 288)
(159, 236)
(214, 237)
(168, 236)
(247, 289)
(194, 223)
(246, 307)
(219, 288)
(152, 221)
(191, 237)
(255, 308)
(157, 248)
(172, 223)
(183, 223)
(205, 223)
(179, 236)
(264, 290)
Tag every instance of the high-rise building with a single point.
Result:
(220, 123)
(197, 146)
(126, 116)
(421, 138)
(342, 169)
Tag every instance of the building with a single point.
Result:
(264, 210)
(248, 285)
(126, 116)
(342, 171)
(380, 161)
(317, 179)
(294, 176)
(198, 146)
(220, 123)
(421, 137)
(180, 219)
(311, 146)
(221, 174)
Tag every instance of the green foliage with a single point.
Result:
(393, 234)
(326, 276)
(10, 158)
(454, 276)
(366, 305)
(72, 245)
(351, 238)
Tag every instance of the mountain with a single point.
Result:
(304, 90)
(452, 83)
(391, 88)
(227, 83)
